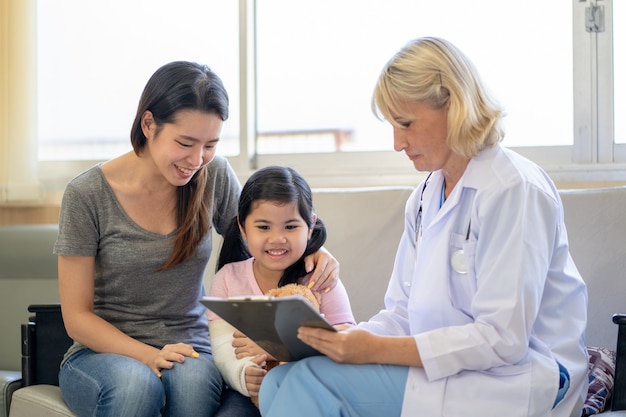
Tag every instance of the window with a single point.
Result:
(317, 66)
(619, 70)
(310, 70)
(96, 56)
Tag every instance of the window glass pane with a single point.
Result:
(94, 58)
(318, 62)
(619, 69)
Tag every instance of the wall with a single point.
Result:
(41, 213)
(28, 214)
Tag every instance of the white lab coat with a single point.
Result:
(489, 339)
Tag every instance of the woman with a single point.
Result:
(134, 241)
(485, 311)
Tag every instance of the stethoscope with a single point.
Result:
(458, 260)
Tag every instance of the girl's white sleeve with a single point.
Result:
(233, 370)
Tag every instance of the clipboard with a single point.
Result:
(271, 322)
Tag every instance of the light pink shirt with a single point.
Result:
(237, 279)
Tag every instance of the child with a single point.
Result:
(264, 248)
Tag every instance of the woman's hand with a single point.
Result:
(169, 355)
(325, 270)
(245, 347)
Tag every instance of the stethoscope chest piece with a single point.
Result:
(459, 262)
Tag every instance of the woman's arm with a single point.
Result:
(76, 290)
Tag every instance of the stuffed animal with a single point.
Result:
(290, 289)
(297, 289)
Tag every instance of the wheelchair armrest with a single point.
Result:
(619, 387)
(44, 342)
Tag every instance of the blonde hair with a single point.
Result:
(433, 71)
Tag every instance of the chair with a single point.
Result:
(44, 342)
(28, 275)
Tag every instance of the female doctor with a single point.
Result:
(485, 311)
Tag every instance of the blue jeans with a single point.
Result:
(235, 404)
(109, 385)
(317, 386)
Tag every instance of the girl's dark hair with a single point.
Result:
(177, 86)
(281, 185)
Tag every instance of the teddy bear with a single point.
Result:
(297, 289)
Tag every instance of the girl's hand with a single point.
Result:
(254, 375)
(169, 355)
(325, 270)
(245, 347)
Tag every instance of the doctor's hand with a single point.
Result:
(348, 345)
(354, 345)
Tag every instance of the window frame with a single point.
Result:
(593, 157)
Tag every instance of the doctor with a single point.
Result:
(485, 311)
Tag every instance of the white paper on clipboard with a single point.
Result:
(271, 322)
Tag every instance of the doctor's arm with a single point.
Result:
(354, 345)
(385, 337)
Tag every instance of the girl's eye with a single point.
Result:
(405, 125)
(263, 227)
(291, 226)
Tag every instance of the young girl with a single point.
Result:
(264, 248)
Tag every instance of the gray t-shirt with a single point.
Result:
(156, 308)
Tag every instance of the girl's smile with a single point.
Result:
(276, 236)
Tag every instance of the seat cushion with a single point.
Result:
(39, 400)
(9, 382)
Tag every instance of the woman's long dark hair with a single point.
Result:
(177, 86)
(282, 185)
